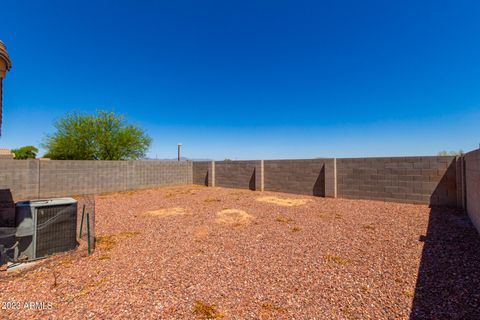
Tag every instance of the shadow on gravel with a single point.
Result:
(448, 284)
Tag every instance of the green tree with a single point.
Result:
(103, 136)
(451, 153)
(27, 152)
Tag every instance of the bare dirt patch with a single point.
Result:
(284, 202)
(234, 217)
(166, 212)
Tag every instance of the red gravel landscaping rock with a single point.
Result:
(325, 259)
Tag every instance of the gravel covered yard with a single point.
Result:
(195, 252)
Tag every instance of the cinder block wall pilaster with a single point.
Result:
(211, 176)
(260, 176)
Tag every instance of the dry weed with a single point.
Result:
(234, 217)
(166, 212)
(285, 202)
(108, 242)
(206, 311)
(283, 219)
(335, 259)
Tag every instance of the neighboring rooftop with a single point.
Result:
(6, 154)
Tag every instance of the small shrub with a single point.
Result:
(206, 311)
(335, 259)
(88, 287)
(106, 243)
(269, 311)
(212, 200)
(126, 234)
(409, 293)
(347, 312)
(283, 219)
(55, 278)
(366, 289)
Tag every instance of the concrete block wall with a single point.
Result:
(202, 172)
(237, 174)
(472, 186)
(59, 178)
(311, 177)
(20, 178)
(30, 179)
(424, 180)
(151, 174)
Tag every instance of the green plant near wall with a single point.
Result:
(27, 152)
(101, 136)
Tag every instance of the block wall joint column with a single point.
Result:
(259, 176)
(211, 175)
(330, 170)
(334, 177)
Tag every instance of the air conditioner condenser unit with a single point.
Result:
(45, 227)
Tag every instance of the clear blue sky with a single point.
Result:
(251, 79)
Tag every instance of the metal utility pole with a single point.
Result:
(179, 146)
